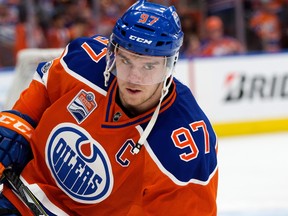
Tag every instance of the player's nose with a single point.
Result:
(134, 75)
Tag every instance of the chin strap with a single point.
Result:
(164, 92)
(110, 64)
(167, 83)
(154, 117)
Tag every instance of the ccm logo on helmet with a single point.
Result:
(140, 40)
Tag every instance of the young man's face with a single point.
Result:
(140, 80)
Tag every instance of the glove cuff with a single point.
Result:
(17, 123)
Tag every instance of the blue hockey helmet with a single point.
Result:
(149, 29)
(145, 30)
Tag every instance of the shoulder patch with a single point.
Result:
(43, 68)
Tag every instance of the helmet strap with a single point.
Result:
(109, 67)
(167, 83)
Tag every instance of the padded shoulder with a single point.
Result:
(87, 58)
(84, 58)
(183, 143)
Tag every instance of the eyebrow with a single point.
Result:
(123, 56)
(148, 63)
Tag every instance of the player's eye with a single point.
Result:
(125, 61)
(149, 67)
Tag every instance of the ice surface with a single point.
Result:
(253, 175)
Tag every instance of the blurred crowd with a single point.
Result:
(53, 23)
(268, 25)
(264, 27)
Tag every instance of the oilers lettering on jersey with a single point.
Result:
(79, 164)
(82, 105)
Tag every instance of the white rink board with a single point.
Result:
(263, 94)
(6, 78)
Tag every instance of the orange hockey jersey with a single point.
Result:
(83, 163)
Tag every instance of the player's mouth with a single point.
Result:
(133, 91)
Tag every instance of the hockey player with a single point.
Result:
(105, 129)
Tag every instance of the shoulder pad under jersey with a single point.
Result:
(87, 57)
(84, 57)
(182, 142)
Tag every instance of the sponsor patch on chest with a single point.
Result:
(82, 105)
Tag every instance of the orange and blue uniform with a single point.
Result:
(83, 162)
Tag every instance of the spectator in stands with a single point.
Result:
(28, 34)
(110, 10)
(71, 19)
(190, 26)
(283, 14)
(8, 21)
(267, 26)
(216, 43)
(59, 35)
(192, 46)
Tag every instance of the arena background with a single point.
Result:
(245, 96)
